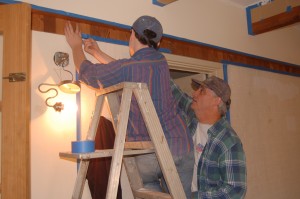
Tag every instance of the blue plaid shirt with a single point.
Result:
(221, 172)
(147, 66)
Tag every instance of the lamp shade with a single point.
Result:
(68, 86)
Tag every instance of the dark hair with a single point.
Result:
(147, 38)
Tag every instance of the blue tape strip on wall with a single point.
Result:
(86, 146)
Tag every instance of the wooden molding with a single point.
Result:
(273, 15)
(54, 23)
(182, 63)
(277, 21)
(261, 12)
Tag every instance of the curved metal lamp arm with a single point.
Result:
(46, 91)
(68, 72)
(58, 106)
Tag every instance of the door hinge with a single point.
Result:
(16, 77)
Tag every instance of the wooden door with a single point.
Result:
(15, 28)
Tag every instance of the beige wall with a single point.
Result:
(51, 132)
(265, 112)
(211, 22)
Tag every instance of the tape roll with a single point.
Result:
(85, 146)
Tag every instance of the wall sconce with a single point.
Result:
(67, 86)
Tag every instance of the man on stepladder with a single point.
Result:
(146, 65)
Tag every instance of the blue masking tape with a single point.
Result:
(86, 146)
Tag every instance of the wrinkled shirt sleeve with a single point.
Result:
(109, 74)
(184, 102)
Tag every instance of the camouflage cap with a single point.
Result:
(219, 86)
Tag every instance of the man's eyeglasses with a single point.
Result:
(202, 89)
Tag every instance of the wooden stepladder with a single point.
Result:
(120, 114)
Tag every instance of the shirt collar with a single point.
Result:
(143, 51)
(215, 129)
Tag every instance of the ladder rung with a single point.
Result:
(139, 145)
(120, 86)
(150, 194)
(102, 153)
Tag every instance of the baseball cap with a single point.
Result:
(150, 23)
(219, 86)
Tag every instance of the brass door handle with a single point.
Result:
(16, 77)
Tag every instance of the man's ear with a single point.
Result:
(158, 44)
(218, 100)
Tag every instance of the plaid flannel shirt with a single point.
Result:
(222, 167)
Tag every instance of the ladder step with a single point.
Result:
(102, 153)
(150, 194)
(139, 145)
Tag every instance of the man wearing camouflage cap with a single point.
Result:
(220, 165)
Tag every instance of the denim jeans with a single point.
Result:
(194, 195)
(152, 176)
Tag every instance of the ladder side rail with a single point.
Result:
(95, 119)
(114, 107)
(83, 165)
(116, 162)
(161, 146)
(133, 176)
(80, 179)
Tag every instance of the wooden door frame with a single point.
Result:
(15, 26)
